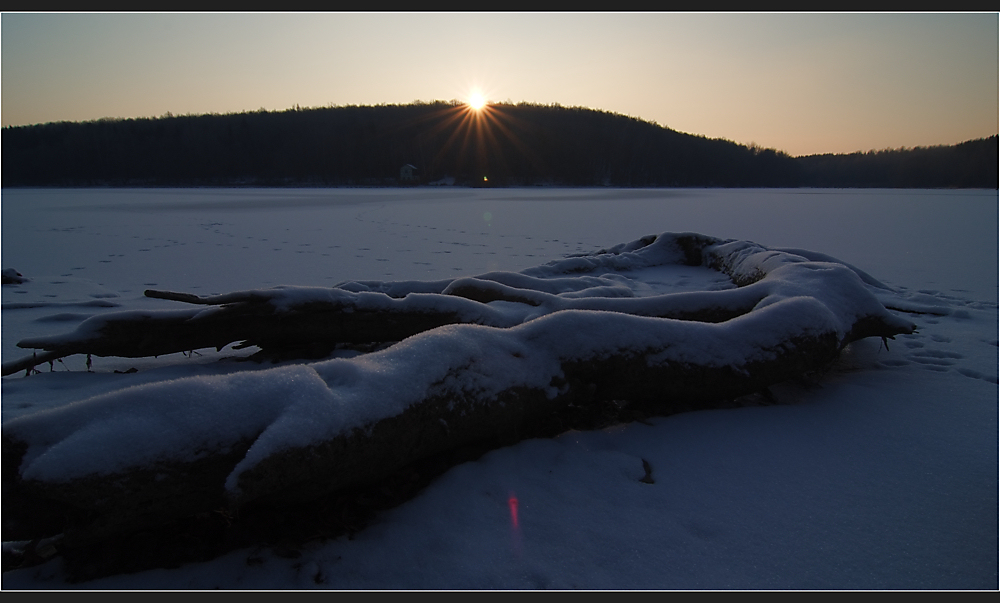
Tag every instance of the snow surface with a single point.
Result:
(884, 475)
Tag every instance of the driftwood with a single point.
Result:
(314, 325)
(789, 316)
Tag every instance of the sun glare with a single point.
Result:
(476, 101)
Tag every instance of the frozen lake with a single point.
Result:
(227, 239)
(885, 477)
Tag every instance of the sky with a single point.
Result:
(803, 83)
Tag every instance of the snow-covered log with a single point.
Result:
(500, 355)
(309, 322)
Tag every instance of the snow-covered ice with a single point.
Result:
(882, 475)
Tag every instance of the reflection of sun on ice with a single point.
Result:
(477, 101)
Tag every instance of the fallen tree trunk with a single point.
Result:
(310, 322)
(148, 455)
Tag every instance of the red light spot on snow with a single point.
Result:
(512, 503)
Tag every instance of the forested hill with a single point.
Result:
(504, 145)
(971, 164)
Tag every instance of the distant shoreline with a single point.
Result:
(503, 146)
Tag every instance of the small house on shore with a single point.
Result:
(408, 173)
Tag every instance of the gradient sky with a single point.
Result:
(802, 83)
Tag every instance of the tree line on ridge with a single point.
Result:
(506, 144)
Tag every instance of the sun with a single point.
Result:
(477, 101)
